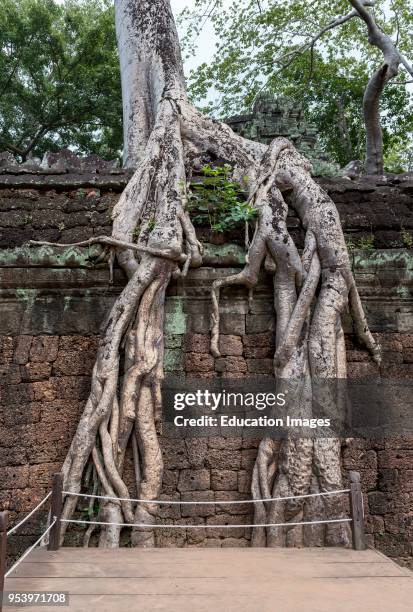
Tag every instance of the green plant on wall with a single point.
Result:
(218, 201)
(362, 243)
(406, 238)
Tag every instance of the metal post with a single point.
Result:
(3, 552)
(357, 514)
(56, 511)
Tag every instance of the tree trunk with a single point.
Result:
(150, 64)
(154, 240)
(372, 95)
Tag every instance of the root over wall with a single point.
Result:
(52, 305)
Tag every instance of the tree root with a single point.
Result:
(310, 293)
(309, 344)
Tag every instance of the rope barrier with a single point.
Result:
(13, 529)
(203, 526)
(171, 502)
(29, 550)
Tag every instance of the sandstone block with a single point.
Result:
(15, 477)
(233, 508)
(362, 370)
(255, 340)
(174, 454)
(22, 414)
(232, 324)
(34, 371)
(170, 478)
(235, 543)
(227, 519)
(260, 366)
(41, 475)
(199, 362)
(171, 511)
(244, 481)
(224, 459)
(357, 356)
(248, 457)
(70, 387)
(44, 348)
(10, 374)
(408, 355)
(198, 509)
(258, 352)
(197, 449)
(225, 443)
(22, 349)
(401, 459)
(43, 391)
(230, 364)
(406, 340)
(194, 480)
(6, 349)
(259, 323)
(197, 343)
(230, 345)
(224, 480)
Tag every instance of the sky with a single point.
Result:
(206, 40)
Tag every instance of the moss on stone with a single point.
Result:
(175, 316)
(47, 256)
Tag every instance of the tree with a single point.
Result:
(281, 46)
(59, 77)
(154, 240)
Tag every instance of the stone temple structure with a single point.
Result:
(273, 116)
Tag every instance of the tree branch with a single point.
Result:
(12, 148)
(181, 257)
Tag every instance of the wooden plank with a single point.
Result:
(372, 595)
(217, 568)
(241, 580)
(224, 585)
(176, 554)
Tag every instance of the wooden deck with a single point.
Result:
(217, 579)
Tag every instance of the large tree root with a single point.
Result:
(124, 405)
(310, 295)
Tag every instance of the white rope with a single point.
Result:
(204, 526)
(193, 503)
(29, 515)
(29, 550)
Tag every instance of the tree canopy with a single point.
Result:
(59, 77)
(282, 47)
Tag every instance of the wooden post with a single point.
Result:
(56, 511)
(356, 508)
(3, 552)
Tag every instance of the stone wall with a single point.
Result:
(52, 303)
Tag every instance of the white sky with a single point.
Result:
(206, 40)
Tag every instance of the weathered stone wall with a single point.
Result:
(51, 306)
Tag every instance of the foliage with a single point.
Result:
(399, 156)
(260, 46)
(218, 201)
(407, 238)
(59, 77)
(324, 168)
(362, 243)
